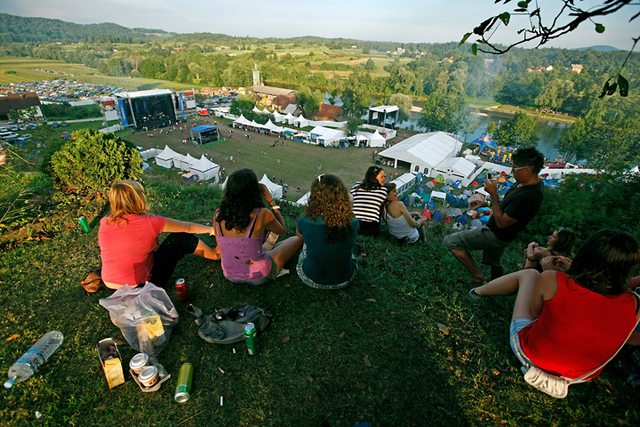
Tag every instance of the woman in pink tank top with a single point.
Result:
(242, 224)
(570, 324)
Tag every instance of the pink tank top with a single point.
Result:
(243, 258)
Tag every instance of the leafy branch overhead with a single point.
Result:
(571, 15)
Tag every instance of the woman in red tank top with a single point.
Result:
(569, 324)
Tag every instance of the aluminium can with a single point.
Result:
(185, 378)
(250, 334)
(181, 289)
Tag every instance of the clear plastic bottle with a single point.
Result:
(34, 358)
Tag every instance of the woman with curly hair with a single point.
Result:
(368, 197)
(328, 227)
(560, 243)
(128, 240)
(570, 324)
(242, 225)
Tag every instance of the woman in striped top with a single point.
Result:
(368, 197)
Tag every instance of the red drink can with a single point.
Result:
(181, 289)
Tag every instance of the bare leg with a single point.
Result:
(465, 259)
(205, 251)
(284, 251)
(522, 282)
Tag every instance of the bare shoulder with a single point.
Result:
(548, 284)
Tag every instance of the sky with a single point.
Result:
(405, 21)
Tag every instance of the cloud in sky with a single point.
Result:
(433, 21)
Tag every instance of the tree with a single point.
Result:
(309, 102)
(518, 132)
(438, 110)
(554, 94)
(465, 121)
(403, 102)
(370, 65)
(91, 161)
(566, 20)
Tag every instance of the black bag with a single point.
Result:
(226, 326)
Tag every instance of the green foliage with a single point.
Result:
(404, 103)
(67, 112)
(91, 161)
(10, 72)
(309, 101)
(439, 110)
(554, 94)
(518, 132)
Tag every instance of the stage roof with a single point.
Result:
(203, 128)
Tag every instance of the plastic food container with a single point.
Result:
(139, 362)
(149, 376)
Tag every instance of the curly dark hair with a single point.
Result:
(242, 196)
(330, 198)
(370, 181)
(606, 261)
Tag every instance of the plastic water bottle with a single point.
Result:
(34, 358)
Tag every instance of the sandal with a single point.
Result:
(93, 283)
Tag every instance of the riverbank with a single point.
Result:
(508, 111)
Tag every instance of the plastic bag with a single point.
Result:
(145, 315)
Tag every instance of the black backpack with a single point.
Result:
(226, 326)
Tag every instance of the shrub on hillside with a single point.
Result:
(91, 161)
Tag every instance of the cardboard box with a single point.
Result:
(111, 362)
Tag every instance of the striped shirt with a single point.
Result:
(367, 204)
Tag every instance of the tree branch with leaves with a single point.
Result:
(571, 16)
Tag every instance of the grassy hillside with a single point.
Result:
(402, 346)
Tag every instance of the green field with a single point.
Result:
(25, 72)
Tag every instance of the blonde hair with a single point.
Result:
(127, 198)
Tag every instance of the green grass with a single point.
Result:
(327, 356)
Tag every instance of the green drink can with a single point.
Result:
(250, 335)
(185, 378)
(84, 224)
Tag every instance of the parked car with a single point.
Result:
(11, 139)
(65, 135)
(22, 127)
(31, 127)
(55, 124)
(26, 136)
(13, 128)
(64, 124)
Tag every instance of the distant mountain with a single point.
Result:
(20, 29)
(599, 48)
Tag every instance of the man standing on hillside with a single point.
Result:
(510, 216)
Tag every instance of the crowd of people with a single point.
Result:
(571, 313)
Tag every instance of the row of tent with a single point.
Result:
(203, 168)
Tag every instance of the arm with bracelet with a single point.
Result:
(274, 221)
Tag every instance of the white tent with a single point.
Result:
(376, 140)
(289, 118)
(147, 154)
(273, 128)
(242, 121)
(456, 166)
(304, 200)
(257, 110)
(404, 182)
(165, 159)
(274, 189)
(183, 162)
(224, 184)
(301, 121)
(205, 169)
(423, 151)
(438, 195)
(326, 136)
(278, 117)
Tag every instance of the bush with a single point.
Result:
(91, 161)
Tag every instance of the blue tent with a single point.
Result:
(461, 219)
(485, 141)
(406, 201)
(437, 216)
(452, 200)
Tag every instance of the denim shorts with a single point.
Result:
(307, 281)
(514, 340)
(269, 277)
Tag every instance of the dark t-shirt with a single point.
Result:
(326, 263)
(521, 203)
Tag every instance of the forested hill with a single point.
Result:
(20, 29)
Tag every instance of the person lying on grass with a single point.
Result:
(242, 225)
(570, 323)
(128, 240)
(328, 227)
(560, 243)
(405, 226)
